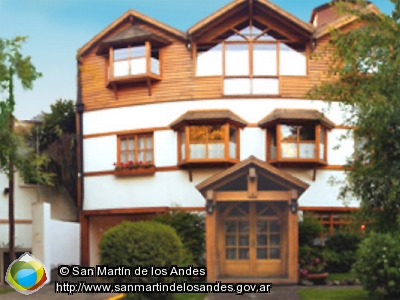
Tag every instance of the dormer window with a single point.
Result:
(132, 56)
(296, 136)
(206, 137)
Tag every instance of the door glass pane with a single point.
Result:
(231, 240)
(274, 253)
(244, 253)
(243, 240)
(243, 226)
(123, 144)
(275, 239)
(274, 226)
(261, 253)
(261, 226)
(261, 240)
(230, 226)
(230, 253)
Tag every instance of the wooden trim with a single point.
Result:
(126, 132)
(177, 168)
(325, 144)
(187, 144)
(21, 221)
(199, 208)
(226, 140)
(317, 141)
(238, 143)
(261, 196)
(148, 56)
(278, 141)
(124, 211)
(175, 32)
(194, 57)
(328, 209)
(345, 127)
(111, 64)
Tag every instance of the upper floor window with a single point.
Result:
(296, 136)
(208, 136)
(136, 148)
(252, 61)
(132, 60)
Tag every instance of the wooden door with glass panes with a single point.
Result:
(250, 240)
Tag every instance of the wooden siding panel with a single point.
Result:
(178, 81)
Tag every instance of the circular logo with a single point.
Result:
(26, 274)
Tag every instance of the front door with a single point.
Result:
(251, 239)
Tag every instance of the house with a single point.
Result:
(42, 214)
(214, 120)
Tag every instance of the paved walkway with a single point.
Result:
(277, 293)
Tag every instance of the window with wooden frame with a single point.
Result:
(292, 142)
(252, 61)
(208, 143)
(136, 148)
(134, 61)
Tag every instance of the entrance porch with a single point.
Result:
(251, 224)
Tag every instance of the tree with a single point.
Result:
(14, 64)
(364, 78)
(57, 139)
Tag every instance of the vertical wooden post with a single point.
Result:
(293, 229)
(111, 64)
(278, 141)
(148, 57)
(211, 248)
(317, 140)
(85, 246)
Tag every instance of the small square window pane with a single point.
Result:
(124, 157)
(275, 239)
(261, 253)
(231, 240)
(149, 142)
(141, 142)
(243, 240)
(131, 144)
(262, 226)
(123, 144)
(274, 253)
(274, 226)
(262, 240)
(131, 156)
(230, 226)
(243, 226)
(231, 253)
(244, 253)
(138, 51)
(149, 155)
(121, 54)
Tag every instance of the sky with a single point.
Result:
(58, 28)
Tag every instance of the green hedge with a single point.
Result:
(144, 244)
(378, 265)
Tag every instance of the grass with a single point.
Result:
(6, 290)
(340, 276)
(333, 294)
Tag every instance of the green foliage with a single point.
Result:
(333, 294)
(309, 230)
(363, 78)
(378, 265)
(143, 243)
(191, 229)
(311, 260)
(57, 139)
(341, 251)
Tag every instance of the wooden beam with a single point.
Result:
(115, 89)
(148, 81)
(85, 245)
(262, 196)
(190, 173)
(252, 183)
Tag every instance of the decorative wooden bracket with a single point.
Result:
(190, 173)
(314, 173)
(115, 90)
(148, 85)
(252, 183)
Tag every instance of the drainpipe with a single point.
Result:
(79, 114)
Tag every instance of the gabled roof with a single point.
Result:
(284, 114)
(131, 34)
(344, 20)
(196, 116)
(237, 5)
(280, 175)
(131, 13)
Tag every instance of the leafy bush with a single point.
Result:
(190, 227)
(378, 265)
(143, 244)
(309, 230)
(341, 251)
(311, 260)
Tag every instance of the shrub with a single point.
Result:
(309, 230)
(311, 260)
(144, 244)
(341, 251)
(378, 265)
(190, 227)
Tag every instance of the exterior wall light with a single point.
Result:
(6, 191)
(293, 204)
(210, 202)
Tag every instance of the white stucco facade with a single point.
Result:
(168, 188)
